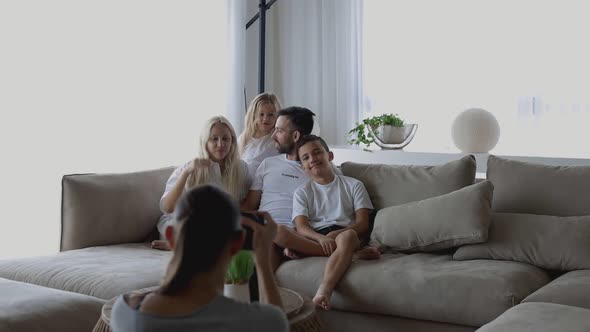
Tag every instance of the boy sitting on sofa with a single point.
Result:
(332, 210)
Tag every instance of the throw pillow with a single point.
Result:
(450, 220)
(551, 242)
(522, 187)
(390, 185)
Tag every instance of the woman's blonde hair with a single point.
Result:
(231, 174)
(250, 120)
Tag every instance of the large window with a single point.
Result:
(525, 61)
(98, 86)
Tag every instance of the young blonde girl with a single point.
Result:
(256, 143)
(217, 163)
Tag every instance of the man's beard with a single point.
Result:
(286, 147)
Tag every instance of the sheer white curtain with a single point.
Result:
(236, 69)
(314, 60)
(103, 86)
(428, 60)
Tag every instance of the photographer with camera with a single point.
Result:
(206, 233)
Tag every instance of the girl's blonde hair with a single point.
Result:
(231, 175)
(250, 120)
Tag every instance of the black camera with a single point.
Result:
(248, 243)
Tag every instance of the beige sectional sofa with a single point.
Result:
(449, 262)
(457, 259)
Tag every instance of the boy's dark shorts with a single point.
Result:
(326, 230)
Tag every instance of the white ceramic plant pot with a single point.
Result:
(238, 292)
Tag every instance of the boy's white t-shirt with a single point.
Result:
(257, 150)
(278, 178)
(214, 179)
(331, 204)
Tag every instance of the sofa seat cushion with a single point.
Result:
(541, 317)
(103, 272)
(422, 286)
(572, 288)
(31, 308)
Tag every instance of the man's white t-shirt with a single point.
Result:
(331, 204)
(278, 178)
(257, 150)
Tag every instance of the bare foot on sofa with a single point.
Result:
(160, 245)
(367, 253)
(322, 298)
(291, 254)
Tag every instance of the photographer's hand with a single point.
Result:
(262, 242)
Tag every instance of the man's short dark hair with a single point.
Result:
(311, 138)
(301, 118)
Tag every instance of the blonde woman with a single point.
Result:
(191, 295)
(256, 143)
(217, 163)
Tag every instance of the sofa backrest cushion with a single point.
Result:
(104, 209)
(450, 220)
(390, 185)
(522, 187)
(551, 242)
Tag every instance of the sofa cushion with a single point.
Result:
(541, 317)
(522, 187)
(103, 209)
(347, 321)
(572, 288)
(450, 220)
(559, 243)
(394, 185)
(31, 308)
(421, 286)
(103, 272)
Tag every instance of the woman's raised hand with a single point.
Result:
(197, 163)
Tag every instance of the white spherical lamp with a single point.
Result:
(475, 130)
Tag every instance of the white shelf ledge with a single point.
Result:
(400, 157)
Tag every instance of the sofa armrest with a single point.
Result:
(104, 209)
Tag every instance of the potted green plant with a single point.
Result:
(239, 271)
(386, 130)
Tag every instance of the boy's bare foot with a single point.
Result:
(367, 253)
(322, 298)
(160, 245)
(291, 254)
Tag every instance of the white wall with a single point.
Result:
(429, 60)
(103, 86)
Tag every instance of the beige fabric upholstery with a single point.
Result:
(541, 317)
(103, 209)
(30, 308)
(346, 321)
(572, 288)
(450, 220)
(421, 286)
(522, 187)
(103, 272)
(390, 185)
(558, 243)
